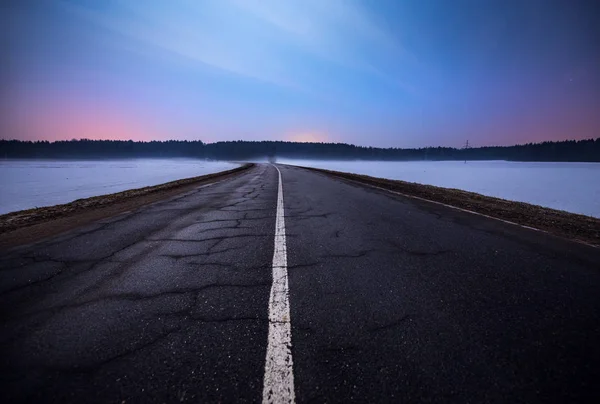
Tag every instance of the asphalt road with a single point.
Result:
(390, 299)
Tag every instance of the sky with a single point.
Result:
(385, 73)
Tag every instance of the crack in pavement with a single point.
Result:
(237, 226)
(360, 254)
(93, 367)
(121, 252)
(153, 341)
(304, 217)
(307, 265)
(204, 254)
(221, 238)
(140, 297)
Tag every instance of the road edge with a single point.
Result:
(571, 226)
(32, 225)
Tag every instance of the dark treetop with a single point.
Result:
(569, 150)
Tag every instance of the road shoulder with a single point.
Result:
(571, 226)
(32, 225)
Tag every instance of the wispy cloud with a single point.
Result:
(337, 30)
(274, 41)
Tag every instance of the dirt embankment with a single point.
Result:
(564, 224)
(26, 226)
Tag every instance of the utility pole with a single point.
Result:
(466, 147)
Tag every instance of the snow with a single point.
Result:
(26, 184)
(573, 187)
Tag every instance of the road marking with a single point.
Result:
(278, 386)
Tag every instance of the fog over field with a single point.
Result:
(28, 184)
(573, 187)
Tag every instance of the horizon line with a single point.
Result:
(291, 141)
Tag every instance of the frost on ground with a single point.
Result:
(572, 187)
(28, 184)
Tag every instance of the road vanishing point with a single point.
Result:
(282, 285)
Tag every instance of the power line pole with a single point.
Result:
(466, 147)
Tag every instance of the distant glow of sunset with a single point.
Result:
(380, 73)
(307, 137)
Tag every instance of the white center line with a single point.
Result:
(278, 386)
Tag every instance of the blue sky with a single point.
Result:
(380, 73)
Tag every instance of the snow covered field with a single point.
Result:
(573, 187)
(27, 184)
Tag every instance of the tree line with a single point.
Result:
(568, 150)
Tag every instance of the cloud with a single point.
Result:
(335, 29)
(201, 32)
(278, 42)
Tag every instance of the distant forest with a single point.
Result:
(569, 150)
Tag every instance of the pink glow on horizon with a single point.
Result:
(307, 137)
(75, 117)
(74, 120)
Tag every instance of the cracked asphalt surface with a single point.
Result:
(391, 299)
